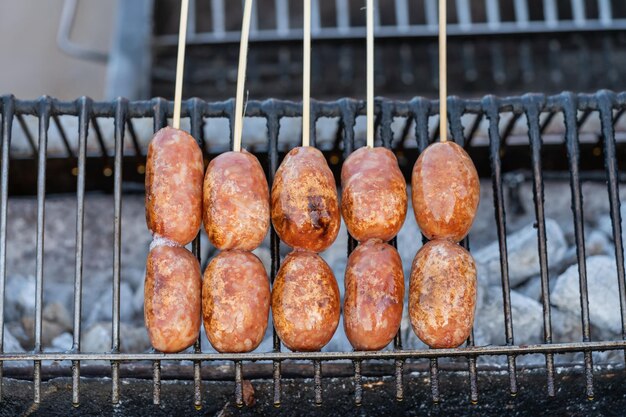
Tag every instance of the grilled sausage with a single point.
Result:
(305, 208)
(236, 201)
(235, 301)
(374, 297)
(172, 298)
(305, 302)
(442, 294)
(374, 199)
(174, 172)
(445, 191)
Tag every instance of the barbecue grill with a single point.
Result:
(496, 46)
(396, 362)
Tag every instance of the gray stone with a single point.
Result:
(409, 241)
(138, 298)
(20, 299)
(102, 308)
(566, 326)
(10, 343)
(133, 276)
(603, 217)
(527, 315)
(63, 342)
(134, 338)
(531, 288)
(596, 243)
(98, 338)
(57, 313)
(265, 255)
(523, 255)
(604, 305)
(49, 330)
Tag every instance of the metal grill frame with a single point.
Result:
(343, 28)
(419, 109)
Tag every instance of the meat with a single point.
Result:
(374, 199)
(445, 191)
(305, 302)
(374, 297)
(172, 298)
(305, 208)
(174, 172)
(235, 301)
(236, 208)
(442, 294)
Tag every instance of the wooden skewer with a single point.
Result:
(180, 62)
(241, 76)
(443, 81)
(370, 72)
(306, 76)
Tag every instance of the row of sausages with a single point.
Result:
(233, 202)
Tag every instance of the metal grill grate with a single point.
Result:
(608, 105)
(401, 19)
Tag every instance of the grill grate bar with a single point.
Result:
(63, 135)
(238, 384)
(550, 13)
(488, 350)
(44, 108)
(605, 12)
(521, 12)
(578, 10)
(8, 108)
(358, 387)
(27, 134)
(402, 15)
(464, 14)
(196, 122)
(343, 15)
(493, 14)
(606, 116)
(532, 104)
(217, 12)
(159, 121)
(120, 123)
(273, 128)
(317, 379)
(573, 153)
(491, 112)
(83, 132)
(282, 17)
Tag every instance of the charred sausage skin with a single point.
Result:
(174, 172)
(172, 305)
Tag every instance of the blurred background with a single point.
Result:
(105, 49)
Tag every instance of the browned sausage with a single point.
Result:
(172, 298)
(445, 191)
(305, 207)
(174, 172)
(305, 302)
(236, 201)
(374, 199)
(374, 297)
(442, 294)
(235, 301)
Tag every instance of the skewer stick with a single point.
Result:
(306, 75)
(370, 73)
(180, 62)
(241, 75)
(443, 81)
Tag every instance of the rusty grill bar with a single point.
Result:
(575, 108)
